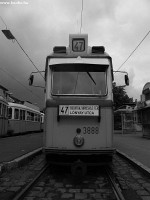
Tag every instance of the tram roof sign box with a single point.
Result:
(78, 44)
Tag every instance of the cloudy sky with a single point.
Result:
(38, 25)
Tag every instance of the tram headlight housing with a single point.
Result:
(78, 140)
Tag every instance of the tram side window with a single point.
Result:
(16, 113)
(3, 110)
(2, 113)
(9, 113)
(32, 116)
(28, 116)
(22, 114)
(6, 111)
(0, 109)
(36, 117)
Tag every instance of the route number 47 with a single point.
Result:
(78, 45)
(64, 110)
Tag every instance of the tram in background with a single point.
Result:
(23, 118)
(3, 111)
(79, 104)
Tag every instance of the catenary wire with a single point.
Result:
(30, 61)
(29, 58)
(81, 17)
(24, 51)
(134, 50)
(3, 22)
(19, 82)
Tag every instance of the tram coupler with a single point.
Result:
(79, 169)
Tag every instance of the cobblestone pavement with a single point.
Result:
(132, 182)
(13, 180)
(58, 183)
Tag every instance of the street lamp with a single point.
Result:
(8, 34)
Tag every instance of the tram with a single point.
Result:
(3, 116)
(79, 104)
(22, 119)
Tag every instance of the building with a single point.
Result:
(124, 118)
(143, 110)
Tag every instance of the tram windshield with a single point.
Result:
(79, 79)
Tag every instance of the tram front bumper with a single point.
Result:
(90, 157)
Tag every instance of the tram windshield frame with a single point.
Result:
(79, 79)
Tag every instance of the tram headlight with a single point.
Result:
(78, 140)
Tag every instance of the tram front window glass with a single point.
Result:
(80, 79)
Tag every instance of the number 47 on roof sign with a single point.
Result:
(78, 43)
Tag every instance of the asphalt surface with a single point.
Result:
(135, 146)
(14, 147)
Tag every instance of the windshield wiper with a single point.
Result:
(91, 78)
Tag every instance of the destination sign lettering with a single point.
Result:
(79, 110)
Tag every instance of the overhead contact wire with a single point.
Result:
(134, 50)
(81, 17)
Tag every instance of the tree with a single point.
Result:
(120, 96)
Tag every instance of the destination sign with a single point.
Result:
(79, 110)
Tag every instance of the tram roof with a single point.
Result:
(21, 106)
(78, 48)
(70, 55)
(91, 55)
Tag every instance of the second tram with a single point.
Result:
(23, 119)
(3, 116)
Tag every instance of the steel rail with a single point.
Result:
(115, 186)
(26, 189)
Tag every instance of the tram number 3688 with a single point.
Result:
(90, 130)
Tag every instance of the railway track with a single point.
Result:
(20, 195)
(119, 181)
(78, 189)
(115, 186)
